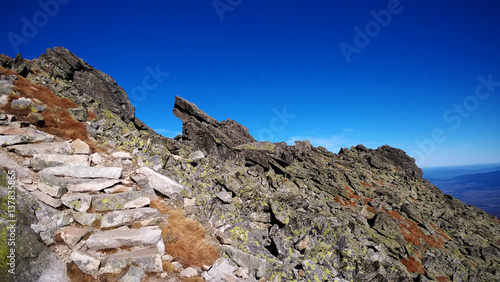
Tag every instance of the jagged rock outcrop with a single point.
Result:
(280, 212)
(87, 81)
(112, 117)
(203, 132)
(308, 213)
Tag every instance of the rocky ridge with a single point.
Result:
(280, 212)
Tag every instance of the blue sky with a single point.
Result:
(423, 76)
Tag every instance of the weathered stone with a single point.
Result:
(252, 263)
(86, 218)
(86, 262)
(122, 155)
(302, 245)
(196, 156)
(118, 189)
(35, 119)
(223, 238)
(14, 131)
(21, 103)
(281, 212)
(221, 270)
(119, 201)
(147, 259)
(92, 185)
(242, 273)
(162, 183)
(225, 197)
(42, 161)
(188, 273)
(80, 147)
(134, 274)
(125, 217)
(64, 218)
(71, 235)
(137, 203)
(53, 191)
(260, 217)
(46, 199)
(95, 159)
(124, 236)
(79, 113)
(84, 172)
(8, 140)
(79, 201)
(28, 150)
(189, 202)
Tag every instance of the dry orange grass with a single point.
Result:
(413, 265)
(185, 239)
(193, 279)
(58, 121)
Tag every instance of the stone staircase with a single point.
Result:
(95, 209)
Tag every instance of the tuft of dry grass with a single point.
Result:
(168, 267)
(91, 115)
(185, 239)
(75, 274)
(193, 279)
(58, 120)
(413, 265)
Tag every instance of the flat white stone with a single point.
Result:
(84, 172)
(80, 147)
(121, 155)
(125, 217)
(92, 185)
(124, 236)
(71, 235)
(162, 183)
(28, 150)
(85, 261)
(41, 161)
(78, 201)
(148, 259)
(53, 191)
(46, 198)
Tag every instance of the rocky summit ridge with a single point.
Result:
(98, 195)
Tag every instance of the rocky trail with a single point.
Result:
(101, 196)
(94, 209)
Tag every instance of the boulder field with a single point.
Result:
(97, 203)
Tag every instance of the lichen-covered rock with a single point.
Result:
(290, 212)
(148, 260)
(119, 201)
(78, 201)
(124, 236)
(86, 262)
(125, 217)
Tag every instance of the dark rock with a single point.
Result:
(79, 113)
(208, 134)
(88, 81)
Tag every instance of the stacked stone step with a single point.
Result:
(89, 202)
(71, 182)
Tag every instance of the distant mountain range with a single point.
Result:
(477, 185)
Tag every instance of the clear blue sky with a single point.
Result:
(323, 70)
